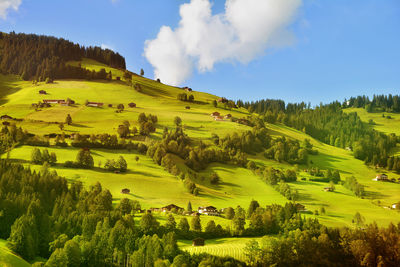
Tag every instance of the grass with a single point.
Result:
(8, 258)
(233, 247)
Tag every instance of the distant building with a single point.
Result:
(300, 207)
(42, 92)
(132, 105)
(209, 210)
(172, 207)
(53, 101)
(94, 104)
(198, 242)
(5, 117)
(218, 118)
(215, 113)
(118, 78)
(395, 205)
(381, 177)
(228, 116)
(187, 107)
(328, 189)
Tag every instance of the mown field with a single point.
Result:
(8, 258)
(233, 247)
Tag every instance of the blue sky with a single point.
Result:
(340, 48)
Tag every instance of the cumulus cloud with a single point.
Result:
(243, 32)
(5, 5)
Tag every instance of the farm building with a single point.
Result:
(132, 105)
(5, 117)
(110, 105)
(198, 242)
(395, 206)
(53, 101)
(210, 210)
(218, 118)
(215, 113)
(94, 104)
(328, 189)
(187, 107)
(171, 207)
(125, 191)
(42, 92)
(118, 78)
(381, 177)
(228, 116)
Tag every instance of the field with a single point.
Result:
(151, 185)
(9, 259)
(233, 247)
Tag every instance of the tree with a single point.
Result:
(252, 208)
(239, 220)
(141, 72)
(189, 207)
(195, 224)
(170, 225)
(332, 185)
(191, 98)
(183, 225)
(68, 119)
(36, 156)
(229, 213)
(177, 121)
(120, 107)
(73, 253)
(211, 228)
(358, 219)
(84, 158)
(122, 165)
(148, 224)
(24, 237)
(61, 126)
(215, 104)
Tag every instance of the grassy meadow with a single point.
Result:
(151, 184)
(8, 258)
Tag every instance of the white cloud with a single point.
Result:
(105, 46)
(5, 5)
(243, 32)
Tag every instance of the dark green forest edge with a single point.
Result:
(53, 222)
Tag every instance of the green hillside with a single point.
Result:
(8, 258)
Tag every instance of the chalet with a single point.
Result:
(53, 101)
(198, 242)
(328, 189)
(94, 104)
(215, 113)
(228, 116)
(299, 207)
(210, 210)
(42, 92)
(5, 117)
(218, 118)
(171, 207)
(132, 105)
(125, 191)
(381, 177)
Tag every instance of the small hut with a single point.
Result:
(110, 105)
(187, 107)
(118, 78)
(42, 92)
(132, 105)
(125, 191)
(198, 242)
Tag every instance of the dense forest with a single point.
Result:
(37, 57)
(387, 103)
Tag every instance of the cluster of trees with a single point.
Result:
(352, 184)
(325, 176)
(10, 136)
(322, 246)
(40, 157)
(272, 176)
(42, 57)
(185, 97)
(71, 226)
(116, 165)
(387, 103)
(147, 124)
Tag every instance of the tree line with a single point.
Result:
(38, 57)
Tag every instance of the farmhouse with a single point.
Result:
(53, 101)
(5, 117)
(218, 118)
(395, 206)
(42, 92)
(328, 189)
(210, 210)
(215, 113)
(381, 177)
(132, 105)
(187, 107)
(198, 242)
(171, 207)
(125, 191)
(94, 104)
(228, 116)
